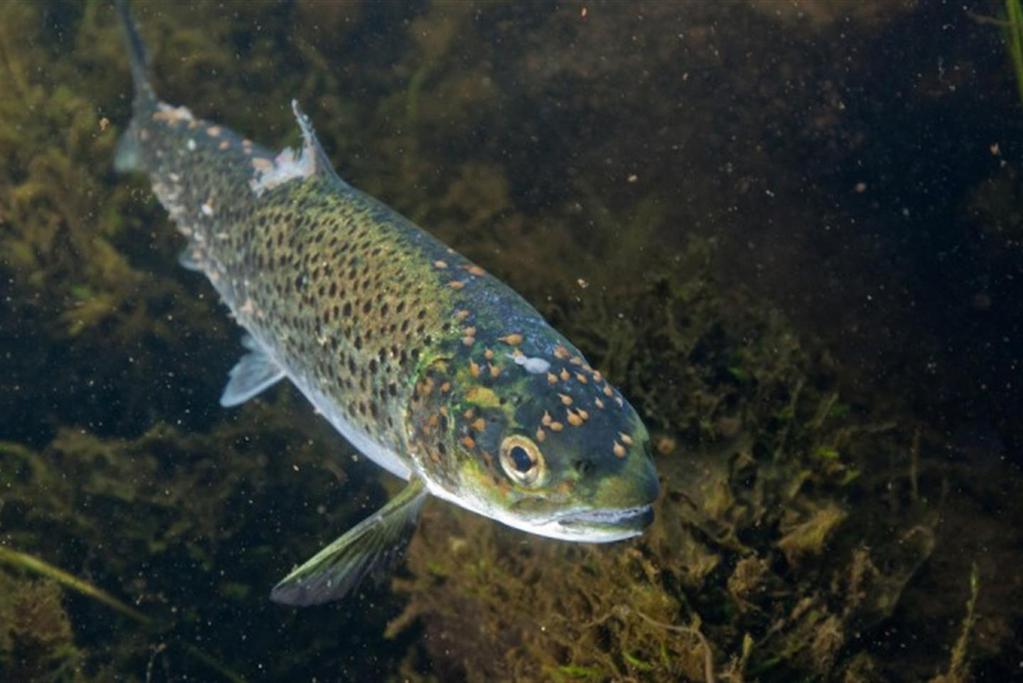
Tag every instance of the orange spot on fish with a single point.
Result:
(512, 339)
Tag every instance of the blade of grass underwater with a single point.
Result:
(1015, 15)
(36, 566)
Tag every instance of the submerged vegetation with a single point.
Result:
(812, 526)
(1014, 12)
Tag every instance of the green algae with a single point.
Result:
(1014, 13)
(116, 507)
(36, 636)
(37, 566)
(958, 666)
(38, 614)
(800, 517)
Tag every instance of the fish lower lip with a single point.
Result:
(639, 516)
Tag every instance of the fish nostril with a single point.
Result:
(582, 467)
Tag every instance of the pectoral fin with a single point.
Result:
(251, 375)
(371, 546)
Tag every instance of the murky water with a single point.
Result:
(790, 232)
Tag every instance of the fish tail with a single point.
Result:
(129, 154)
(145, 97)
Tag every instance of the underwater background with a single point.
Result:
(791, 231)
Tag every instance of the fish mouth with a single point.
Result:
(607, 524)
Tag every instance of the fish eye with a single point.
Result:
(522, 461)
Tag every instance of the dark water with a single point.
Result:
(789, 231)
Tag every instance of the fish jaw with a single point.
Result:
(581, 525)
(597, 525)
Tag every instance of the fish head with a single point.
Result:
(540, 442)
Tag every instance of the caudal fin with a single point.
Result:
(129, 153)
(145, 98)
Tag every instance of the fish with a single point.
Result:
(428, 365)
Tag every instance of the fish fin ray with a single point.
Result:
(371, 547)
(128, 154)
(187, 261)
(311, 145)
(145, 98)
(254, 373)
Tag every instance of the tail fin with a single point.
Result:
(145, 97)
(129, 153)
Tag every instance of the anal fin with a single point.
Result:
(251, 375)
(371, 546)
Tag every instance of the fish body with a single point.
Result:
(428, 365)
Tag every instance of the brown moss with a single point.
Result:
(808, 534)
(36, 639)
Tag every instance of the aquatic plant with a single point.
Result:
(803, 518)
(36, 640)
(1014, 31)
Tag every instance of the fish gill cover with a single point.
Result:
(787, 232)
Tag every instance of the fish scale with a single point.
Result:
(427, 364)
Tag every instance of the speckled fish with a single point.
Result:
(429, 366)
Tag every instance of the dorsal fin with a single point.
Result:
(311, 145)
